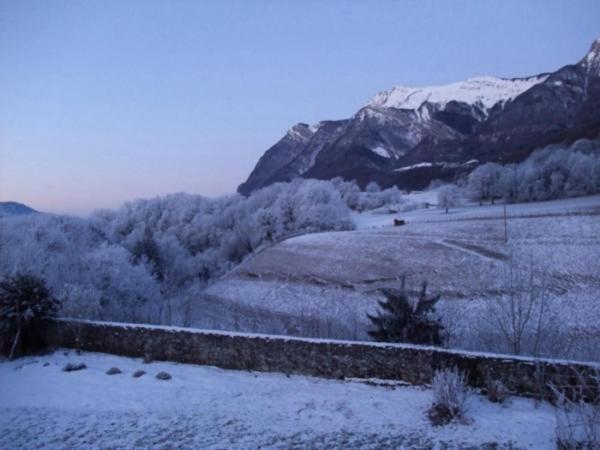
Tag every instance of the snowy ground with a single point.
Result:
(205, 407)
(472, 211)
(323, 284)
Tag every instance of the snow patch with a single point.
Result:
(592, 59)
(414, 166)
(301, 132)
(381, 152)
(370, 113)
(482, 91)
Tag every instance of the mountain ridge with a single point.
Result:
(436, 130)
(9, 209)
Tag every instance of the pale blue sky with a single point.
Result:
(106, 101)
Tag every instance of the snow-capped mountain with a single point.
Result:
(483, 92)
(435, 131)
(591, 61)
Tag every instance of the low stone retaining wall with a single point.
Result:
(316, 357)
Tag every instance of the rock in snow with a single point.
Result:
(163, 376)
(72, 367)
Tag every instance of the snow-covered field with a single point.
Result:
(205, 407)
(472, 211)
(324, 284)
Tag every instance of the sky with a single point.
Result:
(107, 101)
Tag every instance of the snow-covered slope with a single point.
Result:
(325, 284)
(484, 92)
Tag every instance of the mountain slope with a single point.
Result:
(409, 136)
(278, 156)
(565, 106)
(8, 209)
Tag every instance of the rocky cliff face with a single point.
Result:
(278, 156)
(409, 136)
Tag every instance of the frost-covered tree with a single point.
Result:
(485, 182)
(349, 190)
(448, 196)
(372, 198)
(546, 174)
(372, 187)
(142, 261)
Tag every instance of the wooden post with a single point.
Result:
(505, 224)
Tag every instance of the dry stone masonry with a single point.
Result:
(315, 357)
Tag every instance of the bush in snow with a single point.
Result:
(578, 421)
(25, 300)
(450, 396)
(495, 390)
(577, 426)
(403, 320)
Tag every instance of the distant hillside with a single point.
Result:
(9, 209)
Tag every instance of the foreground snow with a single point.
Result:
(206, 407)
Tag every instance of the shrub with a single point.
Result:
(578, 415)
(450, 396)
(402, 320)
(577, 426)
(24, 300)
(496, 391)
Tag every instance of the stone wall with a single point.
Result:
(316, 357)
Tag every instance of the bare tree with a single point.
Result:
(521, 312)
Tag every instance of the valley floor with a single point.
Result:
(205, 407)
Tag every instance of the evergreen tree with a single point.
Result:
(24, 299)
(402, 320)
